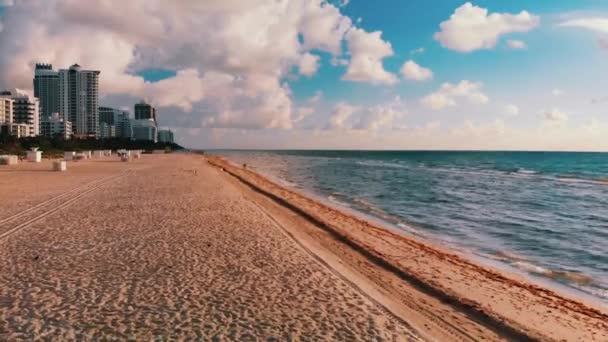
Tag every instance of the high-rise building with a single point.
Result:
(106, 131)
(6, 110)
(54, 125)
(79, 99)
(145, 111)
(165, 136)
(26, 112)
(117, 118)
(46, 89)
(144, 130)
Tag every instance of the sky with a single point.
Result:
(312, 74)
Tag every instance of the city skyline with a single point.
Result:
(337, 75)
(65, 102)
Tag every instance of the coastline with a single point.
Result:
(502, 262)
(502, 302)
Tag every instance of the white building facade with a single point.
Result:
(24, 121)
(6, 110)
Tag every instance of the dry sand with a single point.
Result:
(443, 296)
(166, 248)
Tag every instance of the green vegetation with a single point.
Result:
(54, 147)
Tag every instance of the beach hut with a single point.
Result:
(59, 166)
(34, 155)
(68, 155)
(8, 159)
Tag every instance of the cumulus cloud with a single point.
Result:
(449, 93)
(516, 44)
(367, 50)
(413, 71)
(231, 57)
(322, 26)
(365, 119)
(309, 64)
(380, 116)
(511, 110)
(340, 115)
(472, 28)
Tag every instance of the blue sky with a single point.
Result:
(530, 76)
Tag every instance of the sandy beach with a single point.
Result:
(186, 247)
(164, 248)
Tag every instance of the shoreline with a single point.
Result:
(501, 261)
(497, 298)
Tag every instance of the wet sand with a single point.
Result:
(442, 295)
(166, 248)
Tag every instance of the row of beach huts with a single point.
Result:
(35, 156)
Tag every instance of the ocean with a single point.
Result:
(542, 214)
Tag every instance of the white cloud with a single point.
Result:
(555, 115)
(322, 26)
(316, 98)
(511, 110)
(230, 55)
(309, 64)
(302, 113)
(553, 118)
(471, 28)
(557, 92)
(367, 50)
(470, 129)
(380, 116)
(516, 44)
(339, 116)
(594, 24)
(417, 51)
(448, 93)
(413, 71)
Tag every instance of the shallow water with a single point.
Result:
(543, 213)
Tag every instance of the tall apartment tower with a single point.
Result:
(144, 111)
(46, 89)
(79, 99)
(116, 118)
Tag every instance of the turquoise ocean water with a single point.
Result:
(544, 214)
